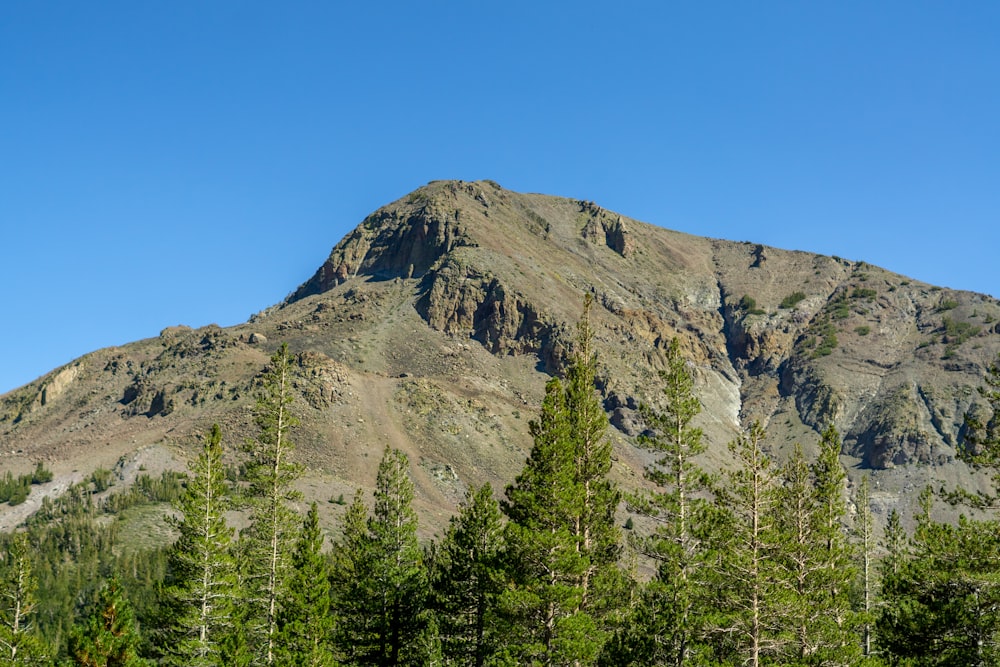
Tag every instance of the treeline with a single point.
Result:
(761, 565)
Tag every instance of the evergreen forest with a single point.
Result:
(765, 563)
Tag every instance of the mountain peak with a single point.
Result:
(434, 324)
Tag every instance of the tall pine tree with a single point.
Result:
(273, 521)
(306, 621)
(200, 595)
(563, 544)
(469, 579)
(19, 645)
(379, 574)
(668, 629)
(749, 627)
(836, 643)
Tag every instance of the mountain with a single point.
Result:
(433, 326)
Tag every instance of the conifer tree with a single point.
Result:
(678, 508)
(942, 605)
(598, 537)
(563, 544)
(749, 624)
(836, 644)
(349, 584)
(19, 644)
(306, 621)
(864, 534)
(469, 579)
(110, 637)
(800, 559)
(273, 522)
(201, 593)
(380, 575)
(895, 544)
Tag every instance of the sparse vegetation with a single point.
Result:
(955, 333)
(863, 330)
(792, 299)
(947, 304)
(749, 305)
(866, 293)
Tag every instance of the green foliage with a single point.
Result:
(956, 332)
(306, 622)
(792, 299)
(102, 479)
(563, 541)
(947, 304)
(202, 588)
(864, 535)
(839, 308)
(270, 476)
(863, 330)
(468, 580)
(19, 642)
(42, 475)
(14, 490)
(942, 604)
(675, 602)
(828, 339)
(109, 637)
(866, 293)
(749, 305)
(750, 601)
(379, 577)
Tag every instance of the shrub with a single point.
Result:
(947, 304)
(792, 299)
(863, 330)
(749, 304)
(41, 474)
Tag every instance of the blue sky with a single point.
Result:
(187, 162)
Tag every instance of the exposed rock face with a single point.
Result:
(432, 326)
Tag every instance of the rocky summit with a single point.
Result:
(433, 326)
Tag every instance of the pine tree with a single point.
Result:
(563, 544)
(895, 544)
(800, 559)
(201, 594)
(942, 604)
(349, 584)
(110, 637)
(469, 579)
(836, 644)
(306, 621)
(749, 624)
(598, 537)
(678, 507)
(864, 534)
(19, 644)
(380, 576)
(273, 522)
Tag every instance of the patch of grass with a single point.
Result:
(864, 293)
(863, 330)
(144, 527)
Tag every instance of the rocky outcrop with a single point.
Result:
(390, 243)
(601, 226)
(458, 300)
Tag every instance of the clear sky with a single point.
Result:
(189, 162)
